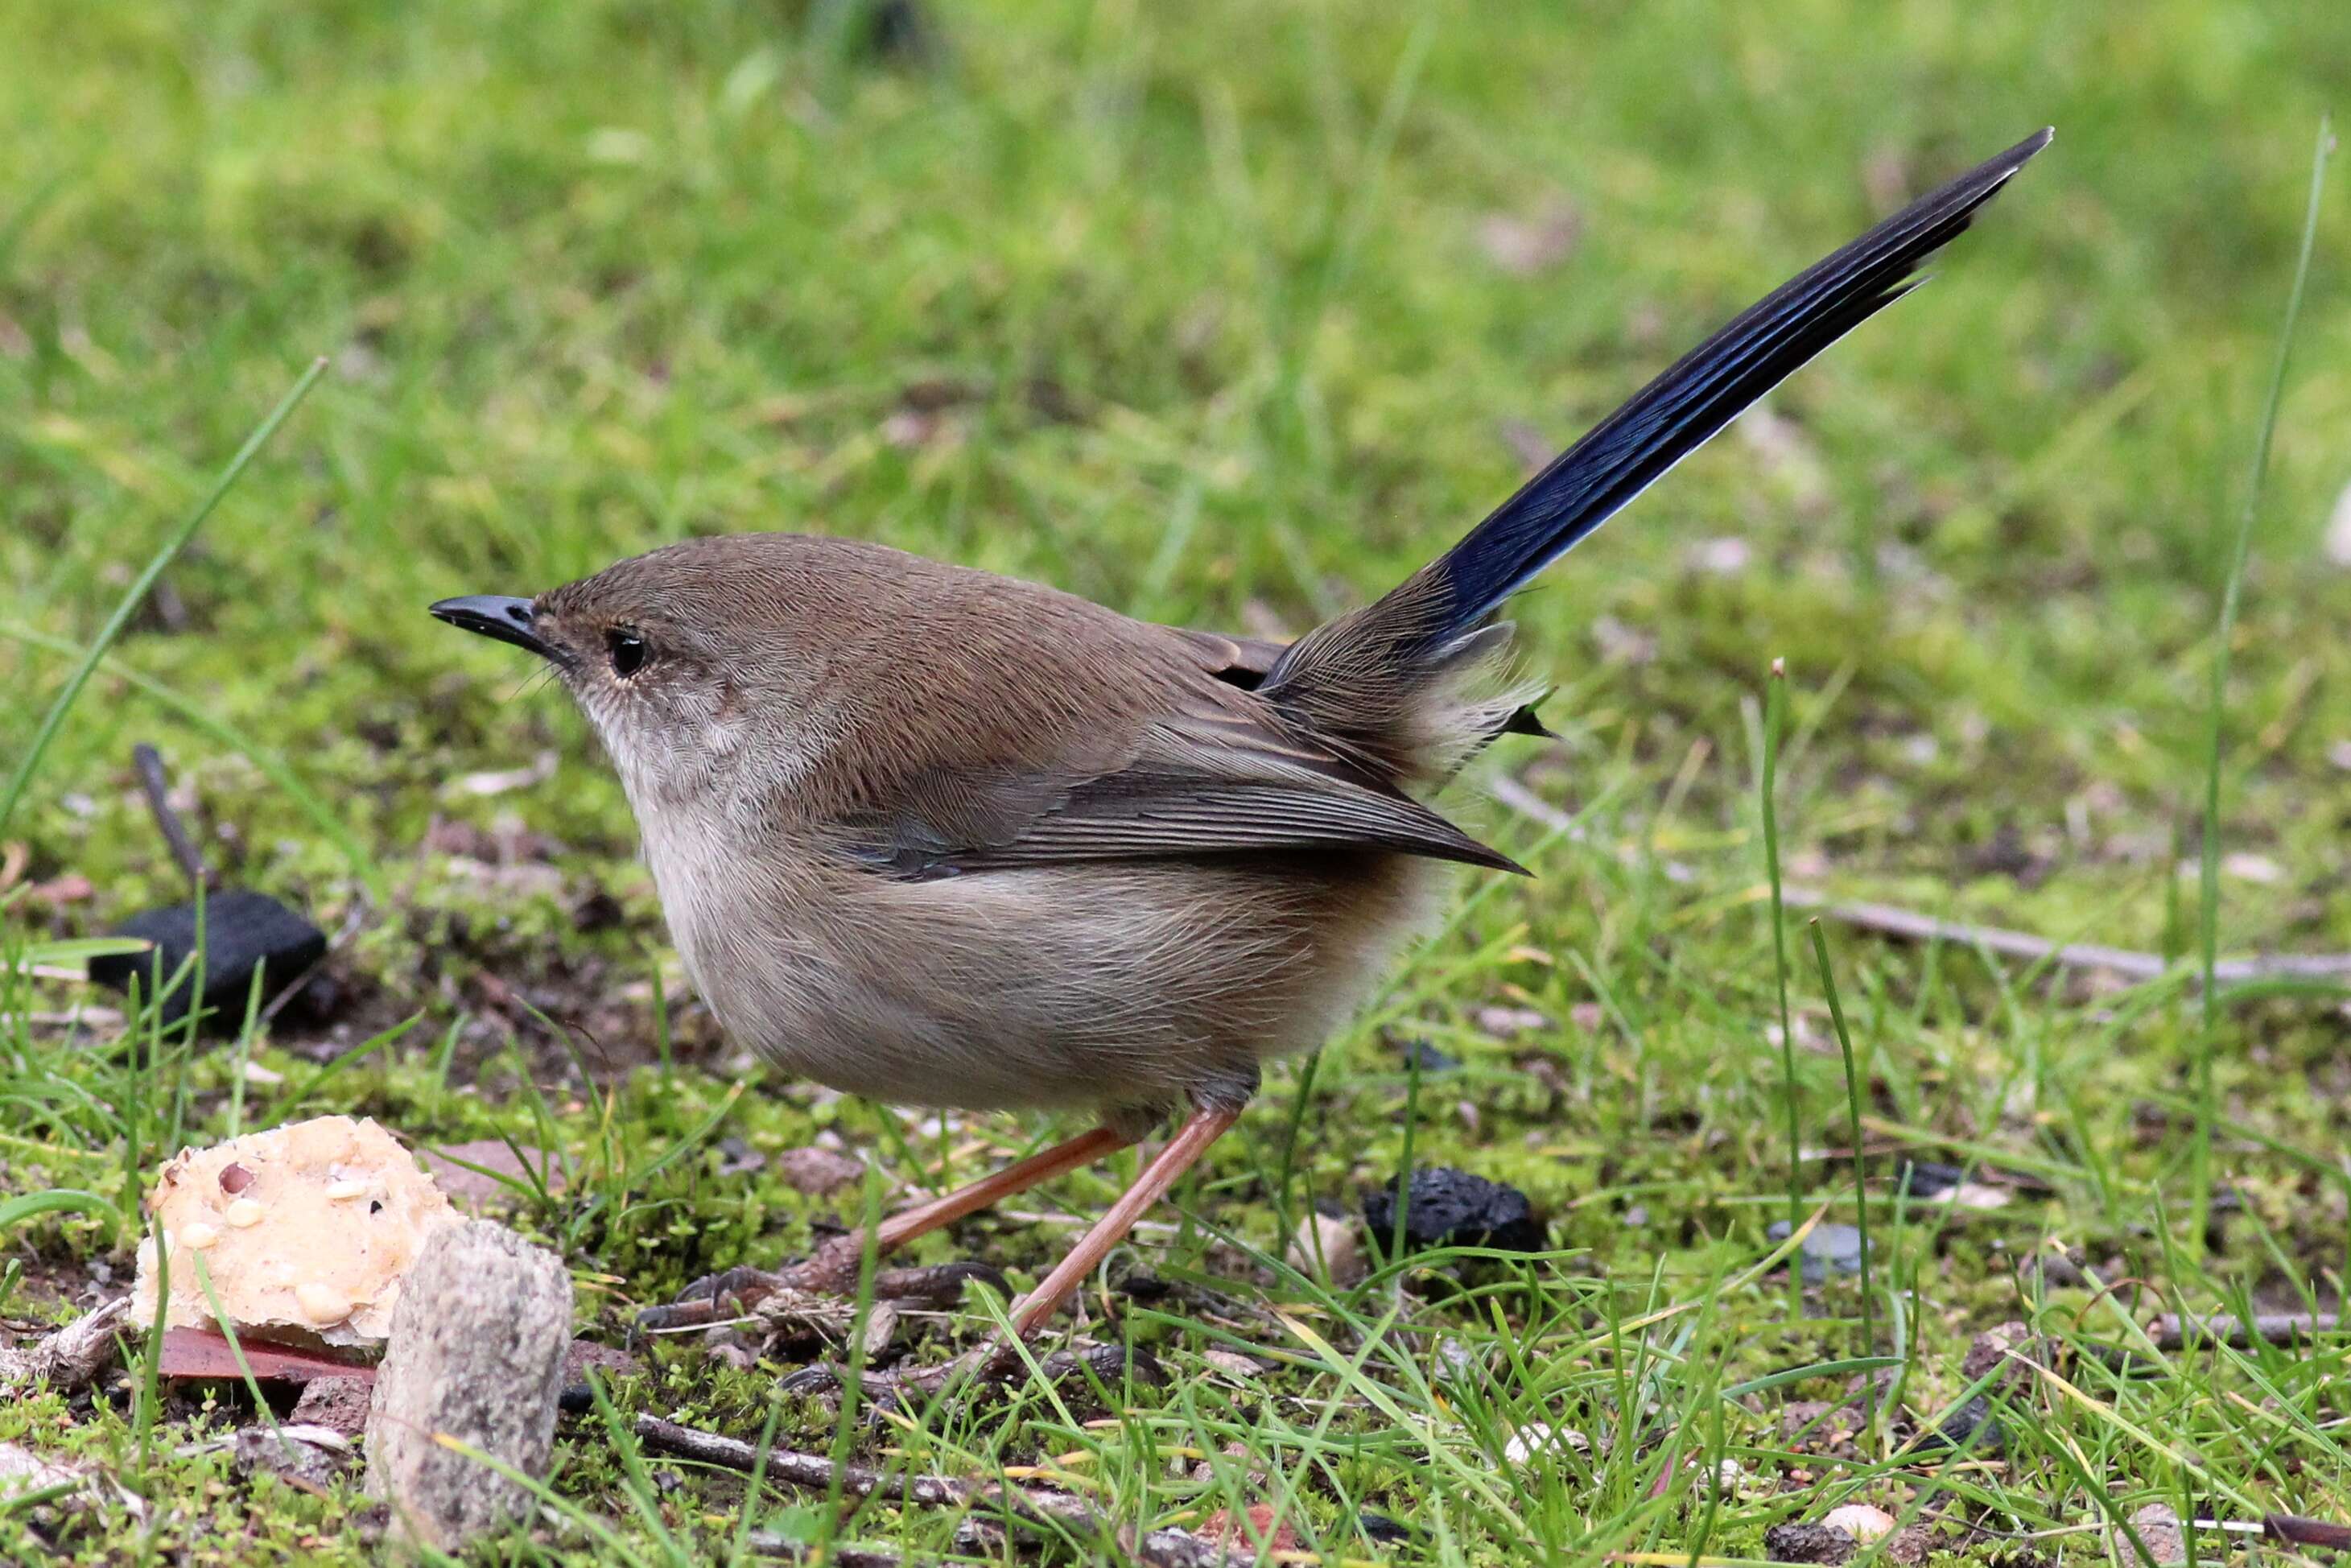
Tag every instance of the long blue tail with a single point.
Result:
(1419, 626)
(1679, 412)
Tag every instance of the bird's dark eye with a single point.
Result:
(628, 651)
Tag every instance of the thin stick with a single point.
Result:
(1909, 925)
(1891, 920)
(2173, 1331)
(157, 787)
(815, 1472)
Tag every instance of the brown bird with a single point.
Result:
(944, 838)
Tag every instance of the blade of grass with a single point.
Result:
(272, 766)
(1775, 718)
(150, 1399)
(32, 1205)
(235, 1350)
(2231, 594)
(1860, 1191)
(136, 595)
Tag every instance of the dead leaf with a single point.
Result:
(1504, 1023)
(818, 1172)
(71, 888)
(1223, 1530)
(1232, 1363)
(481, 786)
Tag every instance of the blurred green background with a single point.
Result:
(1229, 316)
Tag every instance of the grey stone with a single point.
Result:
(476, 1353)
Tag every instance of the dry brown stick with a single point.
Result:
(765, 1543)
(814, 1472)
(1890, 920)
(2302, 1531)
(2173, 1331)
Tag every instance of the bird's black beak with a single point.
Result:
(495, 616)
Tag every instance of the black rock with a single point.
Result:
(1828, 1248)
(1142, 1285)
(1453, 1208)
(243, 932)
(1799, 1542)
(1380, 1528)
(1969, 1428)
(1429, 1059)
(1926, 1178)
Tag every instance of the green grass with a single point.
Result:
(1199, 312)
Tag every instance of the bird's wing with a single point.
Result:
(1211, 775)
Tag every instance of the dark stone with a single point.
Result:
(338, 1404)
(1381, 1528)
(1142, 1285)
(1970, 1428)
(1429, 1059)
(1797, 1542)
(243, 932)
(1453, 1208)
(1925, 1178)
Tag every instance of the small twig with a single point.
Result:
(2302, 1531)
(2174, 1332)
(1891, 920)
(815, 1472)
(158, 789)
(1887, 920)
(767, 1543)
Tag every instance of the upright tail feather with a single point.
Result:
(1418, 630)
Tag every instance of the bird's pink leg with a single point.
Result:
(1204, 1127)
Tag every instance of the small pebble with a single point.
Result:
(1827, 1248)
(234, 1180)
(1328, 1241)
(1454, 1208)
(198, 1236)
(1860, 1521)
(344, 1191)
(1538, 1437)
(322, 1303)
(245, 1213)
(2158, 1528)
(1796, 1541)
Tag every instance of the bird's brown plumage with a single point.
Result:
(937, 836)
